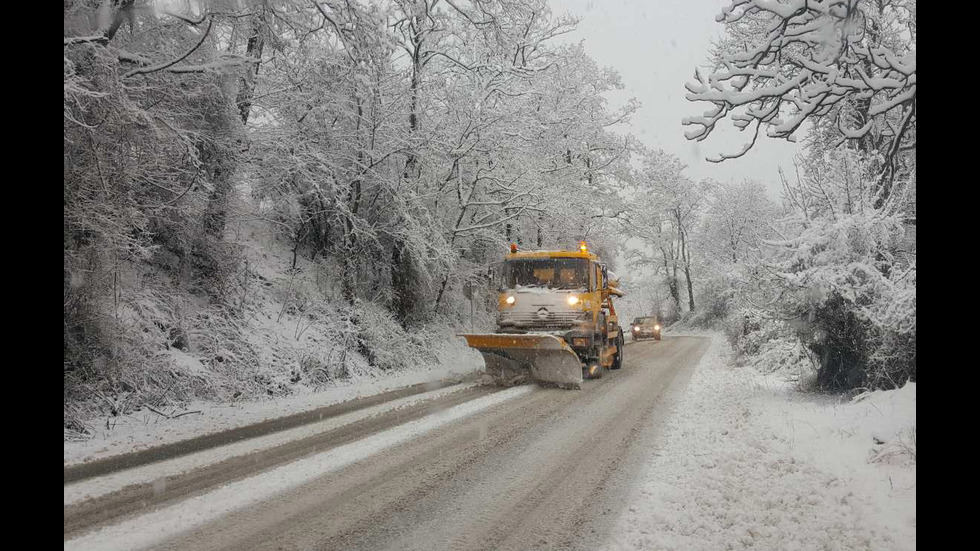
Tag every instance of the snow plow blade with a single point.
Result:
(513, 358)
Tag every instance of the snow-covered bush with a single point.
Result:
(849, 300)
(146, 180)
(767, 344)
(166, 350)
(716, 298)
(387, 344)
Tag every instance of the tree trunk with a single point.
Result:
(401, 281)
(690, 287)
(216, 213)
(256, 42)
(686, 258)
(675, 293)
(671, 280)
(401, 262)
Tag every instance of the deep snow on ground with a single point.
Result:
(748, 461)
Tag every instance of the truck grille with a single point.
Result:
(536, 320)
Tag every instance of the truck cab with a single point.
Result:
(567, 294)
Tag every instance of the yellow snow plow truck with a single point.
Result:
(555, 319)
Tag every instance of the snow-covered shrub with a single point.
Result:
(767, 344)
(147, 173)
(849, 300)
(165, 351)
(716, 298)
(226, 360)
(385, 343)
(111, 362)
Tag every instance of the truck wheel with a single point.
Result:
(620, 344)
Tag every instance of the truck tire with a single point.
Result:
(620, 345)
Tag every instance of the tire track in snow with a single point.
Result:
(96, 502)
(156, 526)
(106, 465)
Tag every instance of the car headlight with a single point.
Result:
(572, 300)
(510, 300)
(656, 328)
(636, 329)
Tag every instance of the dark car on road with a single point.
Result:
(645, 328)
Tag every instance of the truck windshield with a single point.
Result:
(550, 273)
(645, 321)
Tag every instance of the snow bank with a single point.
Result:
(748, 462)
(145, 429)
(112, 482)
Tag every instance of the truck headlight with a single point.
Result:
(636, 329)
(510, 300)
(572, 300)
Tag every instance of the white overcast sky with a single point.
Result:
(655, 46)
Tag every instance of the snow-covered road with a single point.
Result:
(675, 451)
(472, 467)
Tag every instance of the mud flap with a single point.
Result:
(513, 358)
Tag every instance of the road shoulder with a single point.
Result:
(747, 462)
(145, 430)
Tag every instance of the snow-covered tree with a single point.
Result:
(736, 221)
(849, 66)
(664, 211)
(819, 287)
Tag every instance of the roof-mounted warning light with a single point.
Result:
(582, 247)
(513, 247)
